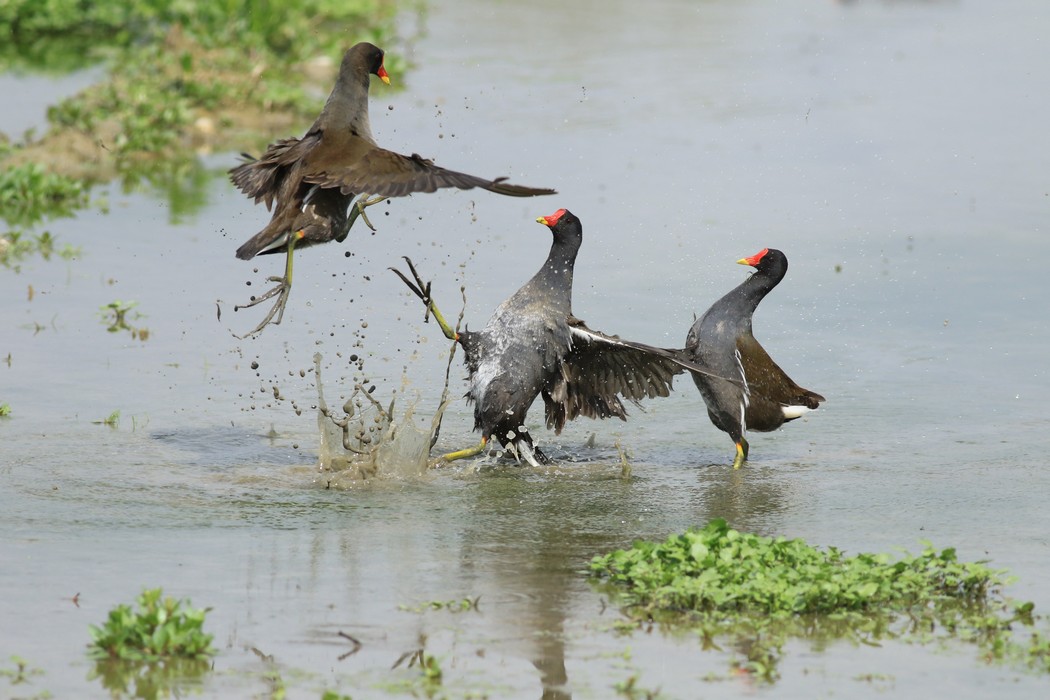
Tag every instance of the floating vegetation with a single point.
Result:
(629, 688)
(429, 666)
(28, 193)
(112, 420)
(757, 592)
(15, 247)
(153, 651)
(21, 673)
(460, 605)
(5, 409)
(114, 316)
(161, 627)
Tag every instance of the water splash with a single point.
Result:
(369, 440)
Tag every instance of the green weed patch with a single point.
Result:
(160, 628)
(758, 592)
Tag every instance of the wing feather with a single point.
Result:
(263, 178)
(378, 171)
(602, 371)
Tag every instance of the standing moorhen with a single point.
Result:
(310, 182)
(722, 340)
(533, 345)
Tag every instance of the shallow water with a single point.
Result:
(894, 150)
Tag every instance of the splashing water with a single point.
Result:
(369, 440)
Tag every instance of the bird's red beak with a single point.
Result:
(552, 219)
(383, 75)
(753, 260)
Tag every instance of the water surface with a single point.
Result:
(895, 151)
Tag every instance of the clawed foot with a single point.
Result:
(284, 284)
(417, 285)
(422, 290)
(281, 291)
(358, 209)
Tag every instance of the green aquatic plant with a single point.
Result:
(170, 677)
(717, 569)
(114, 316)
(63, 36)
(111, 420)
(629, 688)
(5, 409)
(21, 672)
(21, 675)
(757, 592)
(334, 695)
(29, 193)
(431, 674)
(15, 247)
(460, 605)
(161, 628)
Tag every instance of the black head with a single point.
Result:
(565, 226)
(368, 57)
(766, 260)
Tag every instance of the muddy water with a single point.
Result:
(895, 151)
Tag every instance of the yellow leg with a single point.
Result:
(469, 452)
(284, 284)
(281, 291)
(741, 454)
(442, 323)
(422, 291)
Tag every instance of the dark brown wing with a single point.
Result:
(264, 178)
(600, 371)
(766, 379)
(377, 171)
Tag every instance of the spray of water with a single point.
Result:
(365, 439)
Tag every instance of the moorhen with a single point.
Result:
(533, 346)
(722, 340)
(311, 181)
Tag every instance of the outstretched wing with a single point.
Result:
(377, 171)
(601, 371)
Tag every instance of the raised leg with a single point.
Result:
(422, 291)
(281, 291)
(284, 284)
(358, 209)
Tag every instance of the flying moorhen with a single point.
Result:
(722, 340)
(310, 182)
(533, 345)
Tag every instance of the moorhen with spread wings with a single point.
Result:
(534, 346)
(311, 181)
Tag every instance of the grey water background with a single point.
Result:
(896, 151)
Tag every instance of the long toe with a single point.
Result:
(276, 312)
